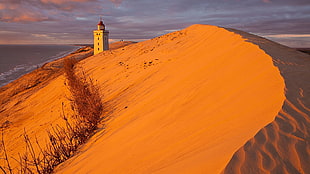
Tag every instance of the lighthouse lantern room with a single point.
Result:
(101, 38)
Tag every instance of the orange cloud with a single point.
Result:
(266, 1)
(2, 6)
(25, 17)
(62, 1)
(28, 11)
(116, 2)
(288, 35)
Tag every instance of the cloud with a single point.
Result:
(61, 2)
(266, 1)
(16, 13)
(144, 19)
(288, 35)
(117, 2)
(20, 11)
(292, 40)
(42, 10)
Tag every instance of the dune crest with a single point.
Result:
(283, 145)
(33, 103)
(180, 103)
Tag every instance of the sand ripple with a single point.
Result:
(283, 146)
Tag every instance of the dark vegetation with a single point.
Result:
(63, 141)
(37, 79)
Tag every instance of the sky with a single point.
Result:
(72, 21)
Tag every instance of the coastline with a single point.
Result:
(14, 69)
(36, 101)
(38, 78)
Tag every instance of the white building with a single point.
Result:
(101, 38)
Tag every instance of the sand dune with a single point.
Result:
(180, 103)
(283, 145)
(34, 103)
(199, 100)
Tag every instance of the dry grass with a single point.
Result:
(85, 96)
(63, 141)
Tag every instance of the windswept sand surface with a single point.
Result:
(181, 103)
(199, 100)
(34, 103)
(283, 146)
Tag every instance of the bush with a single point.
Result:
(63, 141)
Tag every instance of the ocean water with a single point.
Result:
(17, 60)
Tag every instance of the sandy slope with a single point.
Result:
(180, 103)
(283, 146)
(34, 103)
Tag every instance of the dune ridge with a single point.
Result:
(34, 103)
(201, 100)
(283, 145)
(180, 103)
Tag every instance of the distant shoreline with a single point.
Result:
(19, 64)
(39, 77)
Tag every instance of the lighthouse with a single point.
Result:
(101, 38)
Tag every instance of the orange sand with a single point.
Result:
(180, 103)
(33, 103)
(193, 101)
(283, 145)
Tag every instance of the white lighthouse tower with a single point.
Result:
(101, 38)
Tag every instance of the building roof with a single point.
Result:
(100, 23)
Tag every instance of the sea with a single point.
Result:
(17, 60)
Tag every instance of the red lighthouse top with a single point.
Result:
(100, 22)
(100, 25)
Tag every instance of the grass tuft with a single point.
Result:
(63, 142)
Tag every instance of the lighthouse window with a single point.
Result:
(98, 49)
(98, 38)
(98, 43)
